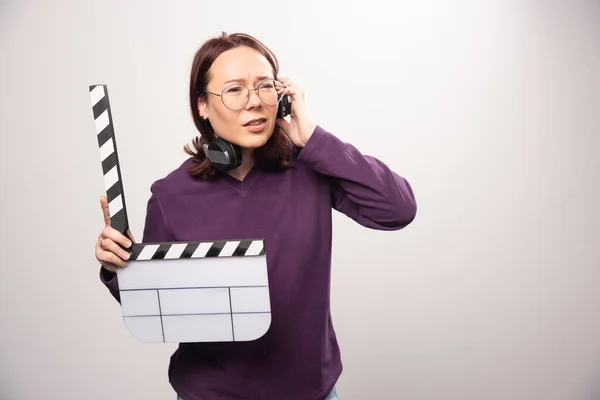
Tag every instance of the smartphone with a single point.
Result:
(285, 107)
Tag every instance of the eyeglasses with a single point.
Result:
(236, 96)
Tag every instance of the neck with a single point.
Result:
(247, 164)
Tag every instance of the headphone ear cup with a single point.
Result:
(224, 155)
(235, 154)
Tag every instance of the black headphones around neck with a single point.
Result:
(225, 155)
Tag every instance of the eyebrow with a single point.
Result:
(242, 80)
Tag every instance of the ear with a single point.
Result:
(202, 109)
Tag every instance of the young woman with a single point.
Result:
(292, 174)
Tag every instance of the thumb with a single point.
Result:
(130, 235)
(105, 212)
(283, 124)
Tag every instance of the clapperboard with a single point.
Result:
(209, 291)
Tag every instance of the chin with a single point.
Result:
(255, 140)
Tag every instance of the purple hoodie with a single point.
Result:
(298, 358)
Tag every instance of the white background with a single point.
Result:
(489, 108)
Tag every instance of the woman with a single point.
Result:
(292, 174)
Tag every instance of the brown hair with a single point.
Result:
(275, 154)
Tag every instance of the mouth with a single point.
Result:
(256, 122)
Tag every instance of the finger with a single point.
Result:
(112, 247)
(107, 257)
(111, 266)
(296, 92)
(105, 212)
(115, 260)
(283, 124)
(288, 82)
(116, 236)
(109, 260)
(291, 88)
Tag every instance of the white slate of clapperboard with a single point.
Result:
(202, 298)
(196, 300)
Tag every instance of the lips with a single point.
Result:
(255, 121)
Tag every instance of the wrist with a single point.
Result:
(308, 128)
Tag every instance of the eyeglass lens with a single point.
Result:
(236, 96)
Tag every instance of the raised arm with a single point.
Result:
(363, 188)
(155, 230)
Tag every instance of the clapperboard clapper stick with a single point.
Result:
(208, 291)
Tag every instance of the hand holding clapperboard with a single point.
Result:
(213, 291)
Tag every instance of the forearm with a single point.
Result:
(363, 187)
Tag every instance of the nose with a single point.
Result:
(253, 99)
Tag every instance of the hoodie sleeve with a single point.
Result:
(362, 187)
(155, 230)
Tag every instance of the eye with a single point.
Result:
(267, 85)
(234, 89)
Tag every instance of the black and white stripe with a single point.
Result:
(109, 157)
(217, 248)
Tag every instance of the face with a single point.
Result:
(247, 66)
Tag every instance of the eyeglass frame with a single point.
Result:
(248, 96)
